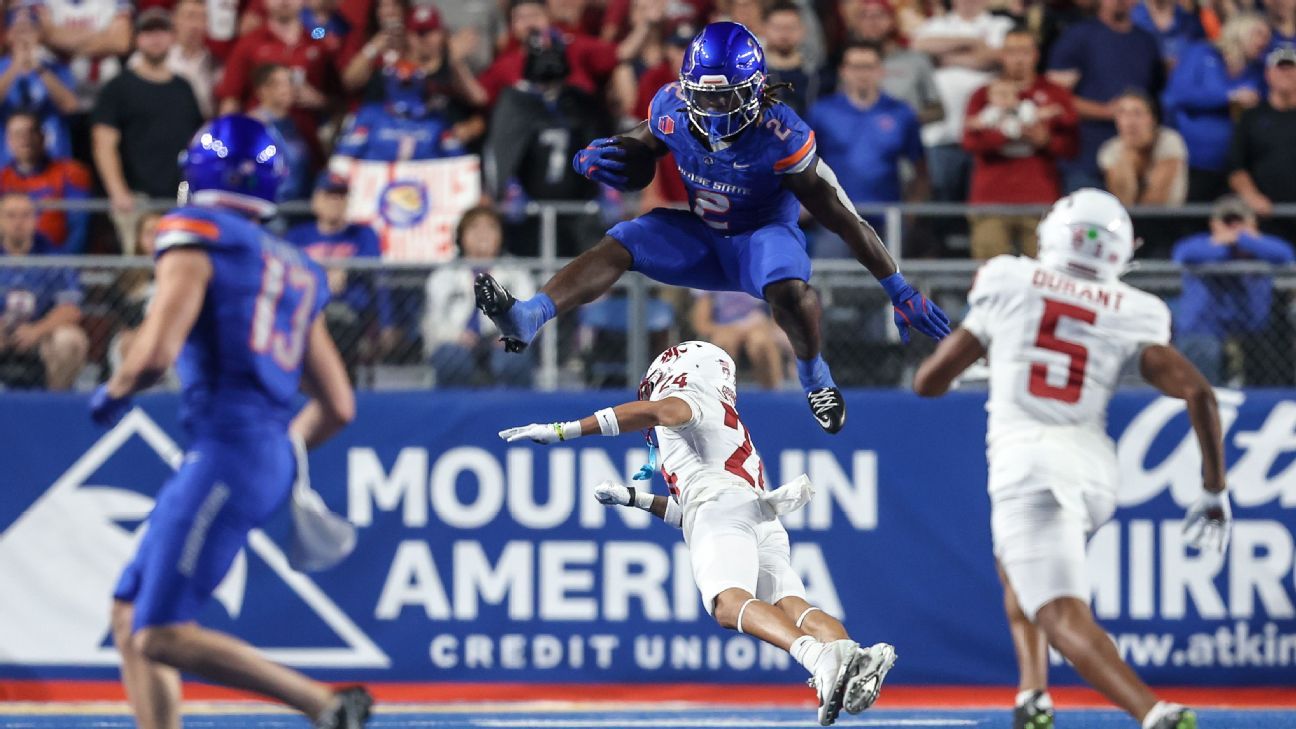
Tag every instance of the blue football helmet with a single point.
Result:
(723, 80)
(234, 160)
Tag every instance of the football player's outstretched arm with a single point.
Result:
(818, 190)
(669, 412)
(953, 355)
(611, 493)
(181, 278)
(324, 378)
(1210, 518)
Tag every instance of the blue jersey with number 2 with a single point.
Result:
(736, 189)
(241, 365)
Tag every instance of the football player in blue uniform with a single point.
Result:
(749, 164)
(238, 314)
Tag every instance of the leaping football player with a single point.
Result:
(749, 163)
(737, 546)
(1057, 332)
(241, 312)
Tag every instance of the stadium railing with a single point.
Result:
(1228, 324)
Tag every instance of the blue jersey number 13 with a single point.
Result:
(284, 346)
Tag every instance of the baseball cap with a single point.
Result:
(1231, 206)
(153, 19)
(1286, 55)
(422, 19)
(331, 182)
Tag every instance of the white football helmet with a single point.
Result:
(702, 365)
(1087, 233)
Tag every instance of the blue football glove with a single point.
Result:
(912, 309)
(602, 161)
(106, 410)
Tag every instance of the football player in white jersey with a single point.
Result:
(1056, 332)
(737, 546)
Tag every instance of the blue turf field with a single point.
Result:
(398, 718)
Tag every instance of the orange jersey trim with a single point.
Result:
(796, 157)
(203, 228)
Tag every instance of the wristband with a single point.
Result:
(640, 499)
(568, 431)
(607, 422)
(894, 284)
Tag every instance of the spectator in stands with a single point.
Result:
(1017, 129)
(142, 120)
(33, 171)
(1218, 308)
(91, 35)
(1145, 163)
(784, 33)
(284, 40)
(1211, 83)
(861, 111)
(1282, 21)
(910, 75)
(273, 87)
(965, 43)
(33, 80)
(1097, 60)
(360, 307)
(41, 340)
(380, 43)
(536, 127)
(667, 187)
(461, 343)
(1174, 27)
(190, 58)
(590, 61)
(1263, 153)
(476, 26)
(618, 17)
(741, 325)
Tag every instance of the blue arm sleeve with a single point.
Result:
(1199, 249)
(1266, 248)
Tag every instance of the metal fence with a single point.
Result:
(404, 326)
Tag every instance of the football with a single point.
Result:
(640, 163)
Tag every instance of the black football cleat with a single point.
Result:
(1035, 713)
(495, 301)
(829, 408)
(352, 710)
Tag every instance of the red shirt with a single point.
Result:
(1012, 180)
(669, 183)
(694, 12)
(591, 61)
(59, 179)
(311, 58)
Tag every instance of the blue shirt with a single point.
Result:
(297, 156)
(1221, 305)
(241, 365)
(364, 289)
(864, 146)
(1196, 103)
(375, 134)
(1184, 30)
(1109, 63)
(736, 189)
(28, 293)
(29, 93)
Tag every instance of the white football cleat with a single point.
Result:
(864, 688)
(838, 665)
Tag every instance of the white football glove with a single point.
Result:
(1208, 522)
(543, 433)
(611, 493)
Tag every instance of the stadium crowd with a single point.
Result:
(1161, 102)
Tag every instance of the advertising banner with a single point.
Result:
(491, 562)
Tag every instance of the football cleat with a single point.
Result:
(495, 302)
(863, 690)
(1035, 713)
(829, 408)
(840, 663)
(352, 710)
(1176, 717)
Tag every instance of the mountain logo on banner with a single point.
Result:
(59, 562)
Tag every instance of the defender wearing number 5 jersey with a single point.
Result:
(238, 313)
(749, 163)
(1057, 332)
